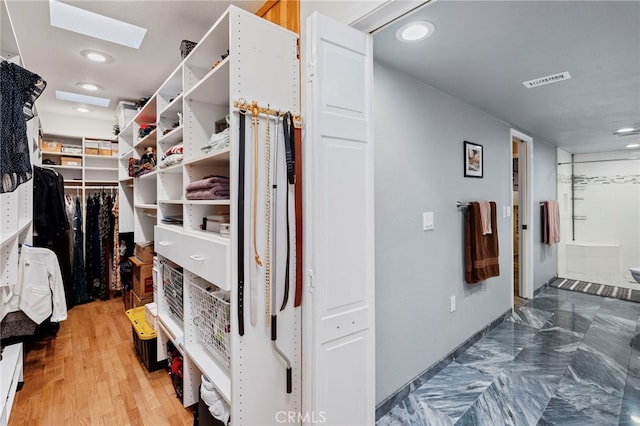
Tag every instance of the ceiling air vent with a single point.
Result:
(547, 80)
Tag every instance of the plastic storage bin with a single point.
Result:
(144, 338)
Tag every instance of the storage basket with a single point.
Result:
(172, 291)
(186, 47)
(212, 317)
(144, 338)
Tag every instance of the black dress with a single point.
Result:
(19, 89)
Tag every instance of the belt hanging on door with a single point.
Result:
(240, 225)
(253, 285)
(287, 128)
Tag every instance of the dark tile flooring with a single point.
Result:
(563, 358)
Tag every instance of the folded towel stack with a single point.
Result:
(217, 142)
(209, 188)
(218, 407)
(172, 156)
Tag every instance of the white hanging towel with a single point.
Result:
(40, 290)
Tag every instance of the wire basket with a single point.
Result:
(172, 290)
(212, 317)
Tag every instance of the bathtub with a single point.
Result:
(594, 262)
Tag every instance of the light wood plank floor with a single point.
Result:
(90, 375)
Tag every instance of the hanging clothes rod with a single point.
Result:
(253, 107)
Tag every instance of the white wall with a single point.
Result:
(545, 258)
(419, 134)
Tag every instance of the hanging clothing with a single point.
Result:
(70, 209)
(116, 284)
(50, 222)
(81, 290)
(19, 89)
(39, 292)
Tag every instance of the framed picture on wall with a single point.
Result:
(473, 161)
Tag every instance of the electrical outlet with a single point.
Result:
(453, 303)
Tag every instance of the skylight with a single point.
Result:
(82, 21)
(83, 99)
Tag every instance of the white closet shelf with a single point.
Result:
(145, 206)
(127, 179)
(108, 157)
(171, 138)
(175, 168)
(212, 236)
(209, 202)
(213, 44)
(60, 154)
(151, 175)
(170, 201)
(55, 166)
(173, 330)
(8, 237)
(214, 87)
(217, 158)
(147, 113)
(174, 107)
(219, 376)
(149, 140)
(98, 182)
(111, 169)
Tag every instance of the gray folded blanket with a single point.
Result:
(214, 193)
(208, 182)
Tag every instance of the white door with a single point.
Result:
(338, 353)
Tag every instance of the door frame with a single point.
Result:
(525, 199)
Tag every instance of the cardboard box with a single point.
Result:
(114, 149)
(71, 161)
(137, 301)
(72, 149)
(142, 278)
(104, 151)
(144, 251)
(49, 146)
(91, 147)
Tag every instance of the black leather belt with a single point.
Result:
(240, 226)
(287, 127)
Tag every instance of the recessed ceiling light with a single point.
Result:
(89, 86)
(83, 109)
(91, 24)
(94, 56)
(626, 131)
(415, 31)
(82, 99)
(633, 145)
(635, 419)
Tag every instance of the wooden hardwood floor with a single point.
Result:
(90, 375)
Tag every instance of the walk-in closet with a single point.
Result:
(151, 233)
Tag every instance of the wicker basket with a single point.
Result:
(186, 47)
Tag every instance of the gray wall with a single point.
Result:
(419, 134)
(545, 187)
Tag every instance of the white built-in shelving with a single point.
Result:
(260, 64)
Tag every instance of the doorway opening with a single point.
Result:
(522, 212)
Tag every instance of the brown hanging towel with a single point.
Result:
(481, 253)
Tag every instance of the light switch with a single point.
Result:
(427, 221)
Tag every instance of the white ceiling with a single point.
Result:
(482, 51)
(54, 53)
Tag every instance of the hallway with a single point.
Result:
(563, 358)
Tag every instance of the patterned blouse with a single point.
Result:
(19, 89)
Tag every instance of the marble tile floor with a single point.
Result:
(562, 358)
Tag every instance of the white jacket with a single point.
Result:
(39, 292)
